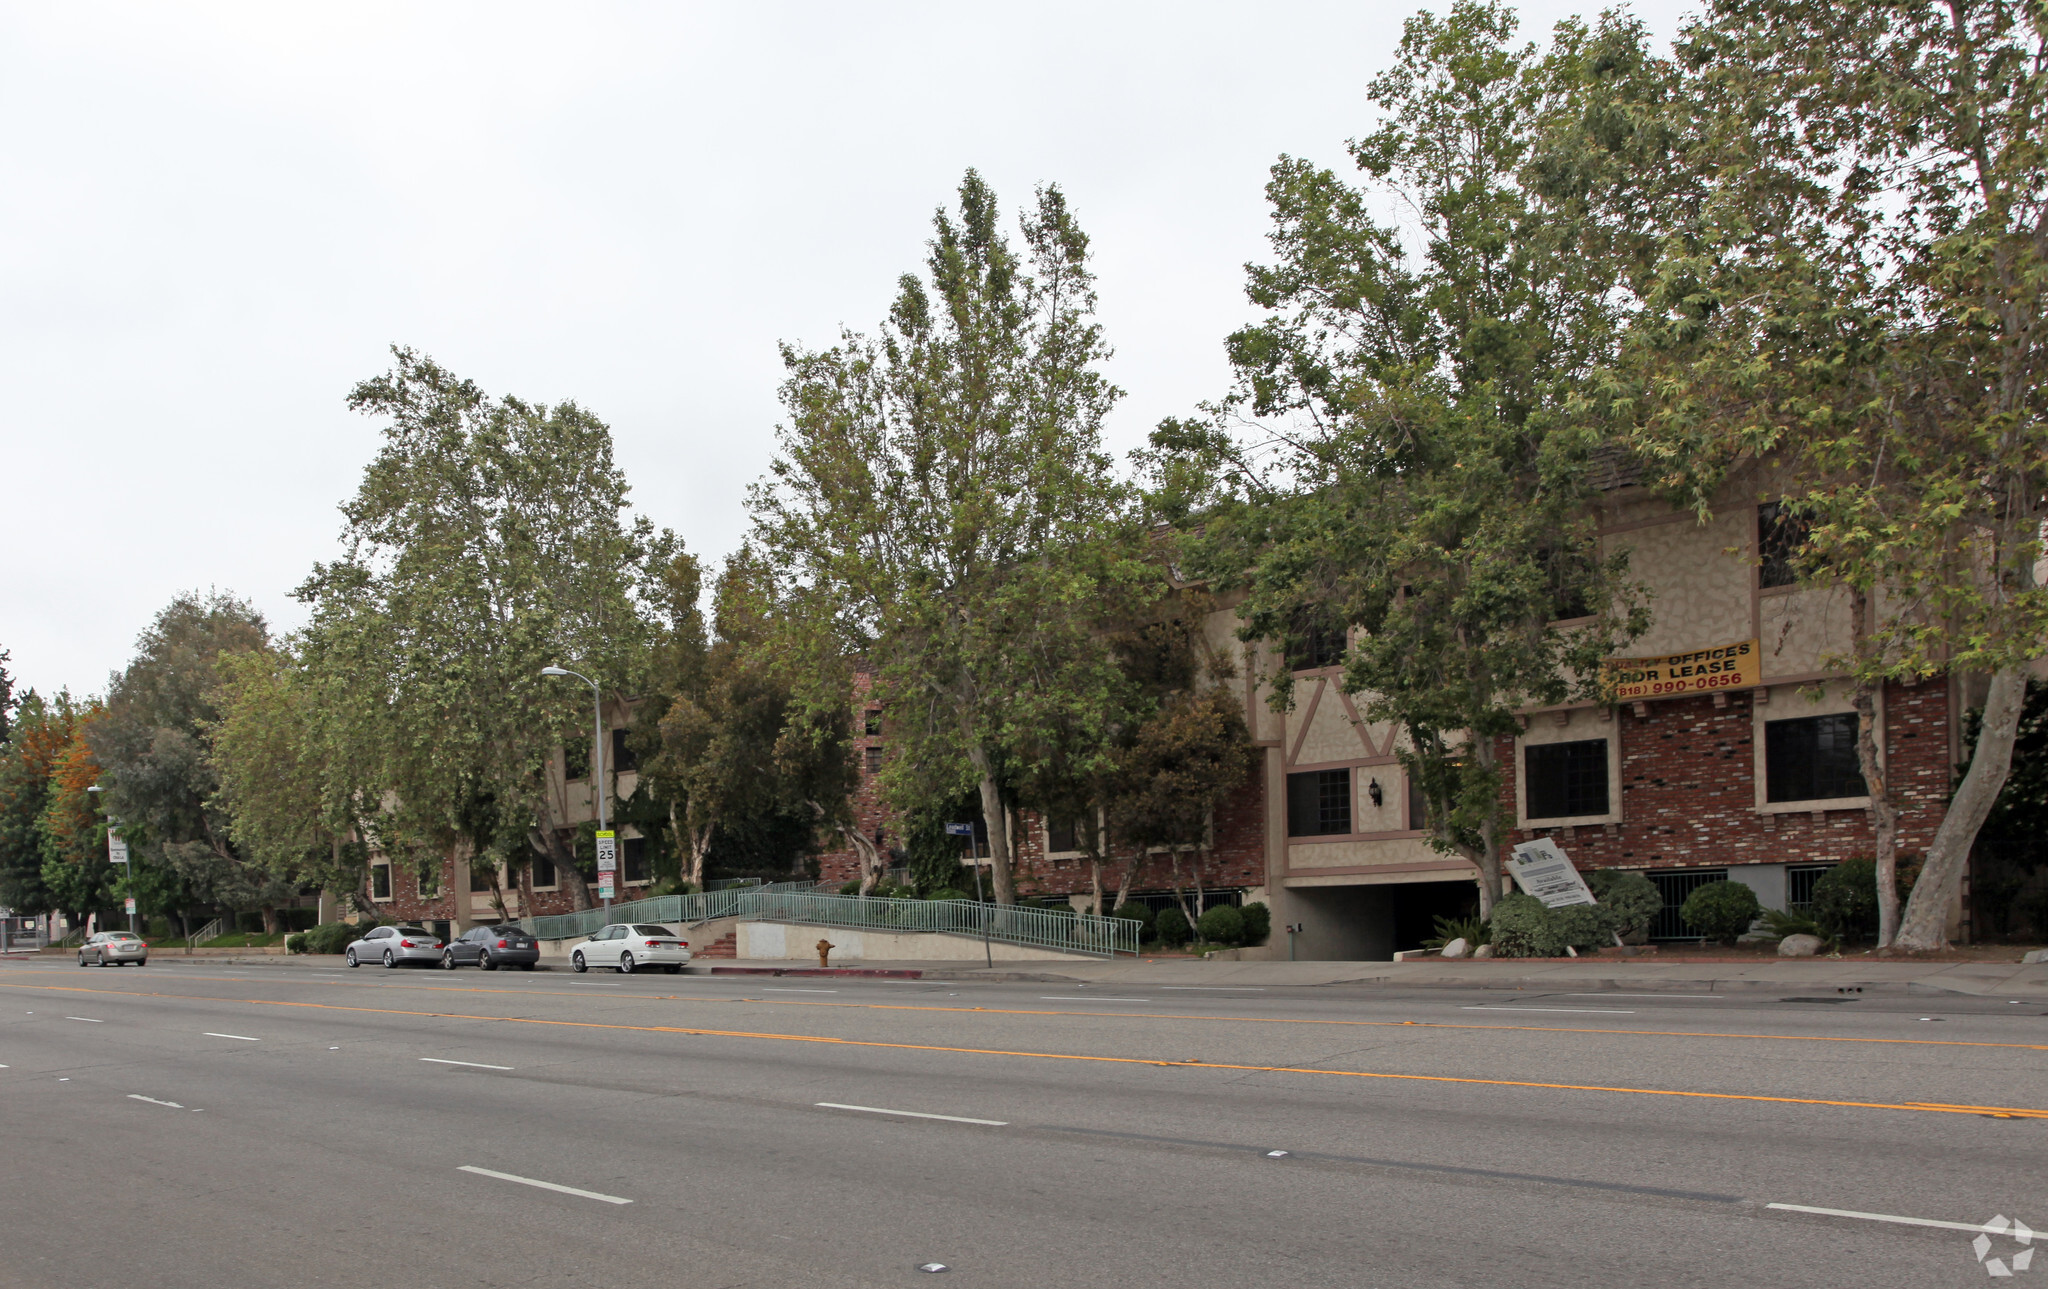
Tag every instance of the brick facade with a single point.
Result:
(1689, 797)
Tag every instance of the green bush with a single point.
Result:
(329, 937)
(1471, 930)
(949, 893)
(1720, 910)
(850, 888)
(1141, 913)
(1258, 922)
(1631, 900)
(1171, 927)
(1222, 925)
(1781, 924)
(1845, 899)
(1523, 928)
(295, 943)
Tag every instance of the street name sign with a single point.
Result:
(1542, 869)
(959, 830)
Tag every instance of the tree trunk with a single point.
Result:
(1000, 877)
(700, 846)
(567, 876)
(1123, 887)
(1095, 886)
(1884, 815)
(870, 858)
(269, 912)
(526, 890)
(1488, 859)
(1925, 923)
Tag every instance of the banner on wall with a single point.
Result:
(1702, 671)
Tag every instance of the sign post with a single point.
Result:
(607, 865)
(987, 915)
(117, 853)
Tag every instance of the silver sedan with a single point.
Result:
(394, 946)
(112, 948)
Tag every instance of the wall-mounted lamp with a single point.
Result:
(1372, 790)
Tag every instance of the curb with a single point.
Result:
(889, 972)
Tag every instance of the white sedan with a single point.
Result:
(627, 947)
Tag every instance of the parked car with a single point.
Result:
(393, 946)
(112, 948)
(626, 947)
(492, 947)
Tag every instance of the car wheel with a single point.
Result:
(484, 960)
(103, 957)
(448, 959)
(625, 964)
(390, 963)
(350, 958)
(673, 970)
(577, 964)
(81, 959)
(143, 963)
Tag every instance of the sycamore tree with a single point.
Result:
(1400, 461)
(489, 539)
(1851, 203)
(941, 504)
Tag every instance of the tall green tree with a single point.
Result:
(941, 503)
(156, 749)
(41, 732)
(1852, 207)
(1414, 473)
(488, 539)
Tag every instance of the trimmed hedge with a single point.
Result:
(1723, 910)
(1631, 900)
(328, 937)
(1171, 927)
(1524, 928)
(1222, 925)
(1258, 922)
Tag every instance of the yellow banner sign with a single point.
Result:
(1734, 666)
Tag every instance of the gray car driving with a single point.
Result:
(395, 946)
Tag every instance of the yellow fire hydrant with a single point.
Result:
(825, 948)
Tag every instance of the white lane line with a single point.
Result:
(137, 1096)
(1716, 997)
(87, 1019)
(240, 1038)
(546, 1186)
(475, 1065)
(1091, 998)
(1576, 1011)
(911, 1114)
(770, 989)
(1884, 1217)
(1218, 989)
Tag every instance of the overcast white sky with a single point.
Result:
(214, 218)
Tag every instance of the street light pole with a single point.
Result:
(597, 736)
(127, 871)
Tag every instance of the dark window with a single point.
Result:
(634, 860)
(429, 877)
(873, 724)
(543, 870)
(623, 757)
(1418, 810)
(1566, 780)
(1799, 880)
(1812, 758)
(1061, 835)
(575, 760)
(1779, 535)
(481, 875)
(1319, 803)
(1315, 639)
(380, 881)
(871, 757)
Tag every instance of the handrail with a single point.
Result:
(1082, 933)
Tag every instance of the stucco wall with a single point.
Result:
(782, 940)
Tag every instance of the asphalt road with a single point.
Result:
(300, 1124)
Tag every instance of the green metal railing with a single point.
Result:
(796, 902)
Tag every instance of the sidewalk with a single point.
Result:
(2009, 979)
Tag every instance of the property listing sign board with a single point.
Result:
(1542, 869)
(1729, 666)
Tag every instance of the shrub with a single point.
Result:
(949, 893)
(295, 942)
(1781, 924)
(1469, 929)
(1523, 928)
(330, 937)
(1258, 922)
(1720, 910)
(1845, 899)
(850, 888)
(1171, 927)
(1222, 925)
(1631, 900)
(1137, 912)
